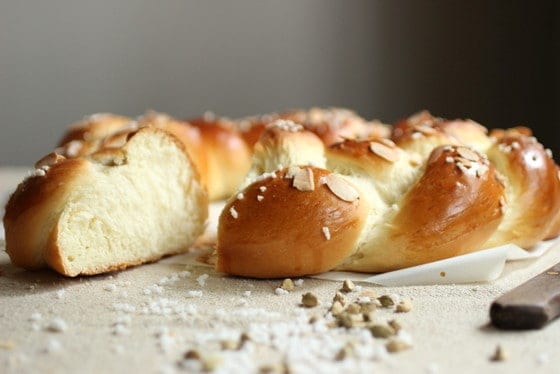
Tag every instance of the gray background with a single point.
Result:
(495, 62)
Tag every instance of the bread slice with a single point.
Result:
(116, 208)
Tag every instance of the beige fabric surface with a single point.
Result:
(144, 319)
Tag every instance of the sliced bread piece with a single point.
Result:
(116, 208)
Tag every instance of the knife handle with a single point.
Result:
(530, 305)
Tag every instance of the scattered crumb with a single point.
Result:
(194, 293)
(53, 346)
(395, 345)
(404, 306)
(111, 287)
(36, 317)
(60, 293)
(298, 282)
(543, 358)
(309, 300)
(288, 284)
(153, 289)
(499, 354)
(7, 345)
(347, 286)
(57, 325)
(386, 301)
(202, 280)
(280, 291)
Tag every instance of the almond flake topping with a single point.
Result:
(383, 151)
(233, 212)
(387, 142)
(468, 154)
(292, 171)
(482, 170)
(463, 161)
(72, 148)
(425, 129)
(49, 160)
(548, 152)
(341, 188)
(303, 180)
(260, 197)
(286, 125)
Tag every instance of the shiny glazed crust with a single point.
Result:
(435, 189)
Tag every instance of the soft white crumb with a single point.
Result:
(246, 293)
(60, 294)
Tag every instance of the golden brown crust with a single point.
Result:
(333, 125)
(34, 207)
(423, 127)
(94, 127)
(287, 231)
(445, 188)
(228, 157)
(252, 127)
(452, 209)
(533, 189)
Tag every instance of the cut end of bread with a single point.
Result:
(126, 206)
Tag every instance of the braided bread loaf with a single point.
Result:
(118, 206)
(436, 189)
(215, 146)
(220, 148)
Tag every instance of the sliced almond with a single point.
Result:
(425, 129)
(292, 171)
(73, 148)
(387, 142)
(482, 170)
(341, 188)
(388, 153)
(465, 162)
(468, 154)
(49, 160)
(303, 180)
